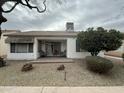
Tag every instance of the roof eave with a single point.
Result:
(41, 35)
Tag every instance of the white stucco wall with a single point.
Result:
(71, 49)
(35, 48)
(20, 56)
(3, 46)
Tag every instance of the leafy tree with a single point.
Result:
(96, 40)
(117, 33)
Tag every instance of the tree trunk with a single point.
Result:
(94, 53)
(0, 22)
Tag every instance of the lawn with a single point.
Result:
(47, 75)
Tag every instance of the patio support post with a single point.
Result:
(35, 49)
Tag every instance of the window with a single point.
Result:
(21, 47)
(12, 48)
(30, 49)
(78, 47)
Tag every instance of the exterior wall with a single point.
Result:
(3, 46)
(20, 56)
(71, 49)
(35, 50)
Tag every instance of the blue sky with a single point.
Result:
(84, 13)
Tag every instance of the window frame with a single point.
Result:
(14, 45)
(30, 51)
(78, 47)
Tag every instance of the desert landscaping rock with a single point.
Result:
(27, 67)
(47, 75)
(61, 67)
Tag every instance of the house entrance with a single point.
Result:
(53, 48)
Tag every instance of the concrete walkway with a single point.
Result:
(62, 89)
(52, 60)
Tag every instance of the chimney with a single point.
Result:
(70, 26)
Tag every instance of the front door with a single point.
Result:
(53, 48)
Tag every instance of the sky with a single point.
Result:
(84, 13)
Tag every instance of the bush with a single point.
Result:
(123, 56)
(98, 64)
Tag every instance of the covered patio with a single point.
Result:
(52, 48)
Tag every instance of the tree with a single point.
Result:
(27, 4)
(100, 39)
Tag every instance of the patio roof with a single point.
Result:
(19, 40)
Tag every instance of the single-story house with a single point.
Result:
(32, 45)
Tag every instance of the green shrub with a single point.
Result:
(123, 56)
(98, 64)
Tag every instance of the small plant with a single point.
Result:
(123, 56)
(98, 64)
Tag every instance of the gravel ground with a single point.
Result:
(47, 75)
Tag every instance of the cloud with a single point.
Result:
(86, 13)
